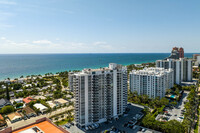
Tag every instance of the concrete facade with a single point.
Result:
(100, 94)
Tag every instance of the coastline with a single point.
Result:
(54, 73)
(14, 67)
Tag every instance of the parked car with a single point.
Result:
(181, 117)
(143, 129)
(134, 127)
(67, 125)
(93, 126)
(86, 128)
(90, 127)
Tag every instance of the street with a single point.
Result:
(33, 119)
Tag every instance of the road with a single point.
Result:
(33, 119)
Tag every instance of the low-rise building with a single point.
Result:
(3, 87)
(28, 111)
(18, 91)
(4, 102)
(69, 96)
(2, 121)
(49, 82)
(28, 100)
(39, 97)
(41, 107)
(51, 104)
(11, 94)
(14, 117)
(48, 95)
(43, 125)
(19, 100)
(28, 85)
(61, 101)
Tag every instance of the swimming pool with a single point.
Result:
(172, 96)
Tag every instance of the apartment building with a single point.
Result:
(100, 94)
(182, 68)
(151, 81)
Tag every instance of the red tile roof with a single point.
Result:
(28, 99)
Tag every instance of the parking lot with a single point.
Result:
(175, 113)
(114, 124)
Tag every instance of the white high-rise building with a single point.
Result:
(100, 94)
(151, 81)
(182, 68)
(197, 62)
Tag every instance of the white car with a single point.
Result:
(134, 127)
(86, 128)
(93, 127)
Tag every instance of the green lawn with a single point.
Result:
(62, 122)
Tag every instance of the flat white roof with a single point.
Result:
(40, 106)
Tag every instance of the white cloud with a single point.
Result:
(3, 38)
(42, 42)
(103, 45)
(57, 46)
(100, 43)
(6, 2)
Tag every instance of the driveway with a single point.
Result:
(176, 111)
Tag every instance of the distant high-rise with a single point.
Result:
(100, 94)
(176, 53)
(151, 81)
(182, 68)
(195, 56)
(181, 52)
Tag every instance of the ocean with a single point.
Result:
(16, 65)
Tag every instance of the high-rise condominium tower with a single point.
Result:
(182, 68)
(177, 53)
(100, 94)
(151, 81)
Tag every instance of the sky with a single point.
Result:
(99, 26)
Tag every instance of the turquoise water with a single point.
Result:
(15, 65)
(172, 96)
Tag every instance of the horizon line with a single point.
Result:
(89, 53)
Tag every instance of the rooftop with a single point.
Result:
(152, 71)
(61, 101)
(44, 125)
(28, 99)
(112, 66)
(40, 106)
(28, 110)
(14, 115)
(4, 101)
